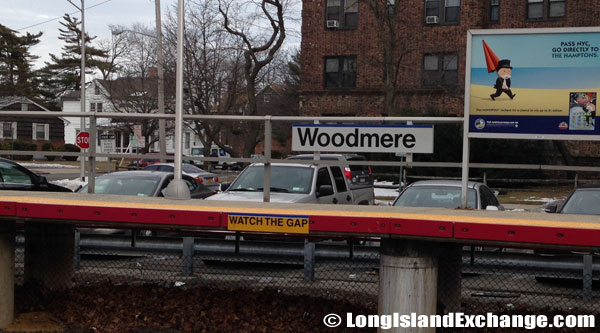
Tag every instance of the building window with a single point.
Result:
(342, 14)
(543, 9)
(451, 14)
(340, 72)
(435, 15)
(187, 140)
(95, 107)
(9, 130)
(96, 90)
(440, 70)
(40, 131)
(556, 8)
(494, 10)
(267, 98)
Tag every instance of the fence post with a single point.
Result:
(7, 273)
(188, 256)
(92, 157)
(587, 276)
(309, 260)
(267, 177)
(77, 249)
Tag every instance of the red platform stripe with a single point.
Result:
(426, 228)
(363, 225)
(8, 208)
(114, 214)
(527, 234)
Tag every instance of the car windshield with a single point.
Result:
(583, 201)
(434, 196)
(289, 179)
(139, 186)
(191, 168)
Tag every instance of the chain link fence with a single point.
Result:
(340, 271)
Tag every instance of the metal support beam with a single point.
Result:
(188, 256)
(587, 276)
(309, 260)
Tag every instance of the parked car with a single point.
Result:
(144, 162)
(206, 178)
(144, 184)
(360, 177)
(446, 194)
(583, 200)
(290, 183)
(15, 177)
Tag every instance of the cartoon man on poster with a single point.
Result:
(502, 68)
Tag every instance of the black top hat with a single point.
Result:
(504, 63)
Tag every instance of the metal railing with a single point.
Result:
(92, 154)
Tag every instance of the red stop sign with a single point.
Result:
(83, 140)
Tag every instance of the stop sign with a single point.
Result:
(83, 140)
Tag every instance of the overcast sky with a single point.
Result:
(44, 15)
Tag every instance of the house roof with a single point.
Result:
(6, 101)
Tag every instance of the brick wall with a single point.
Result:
(416, 38)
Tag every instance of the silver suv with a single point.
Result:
(359, 177)
(290, 183)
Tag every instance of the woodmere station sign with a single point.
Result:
(363, 138)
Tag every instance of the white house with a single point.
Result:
(98, 99)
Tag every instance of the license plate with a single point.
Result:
(208, 180)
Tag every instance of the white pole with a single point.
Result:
(161, 76)
(82, 85)
(178, 189)
(465, 159)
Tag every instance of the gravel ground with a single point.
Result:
(150, 308)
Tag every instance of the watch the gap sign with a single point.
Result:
(363, 138)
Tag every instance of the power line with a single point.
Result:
(58, 18)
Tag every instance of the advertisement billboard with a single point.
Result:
(533, 83)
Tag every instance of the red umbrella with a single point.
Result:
(491, 59)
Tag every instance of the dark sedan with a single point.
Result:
(15, 177)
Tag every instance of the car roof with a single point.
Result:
(444, 182)
(136, 173)
(341, 157)
(299, 165)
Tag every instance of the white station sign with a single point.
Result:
(363, 138)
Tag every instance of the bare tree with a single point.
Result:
(260, 47)
(393, 50)
(136, 88)
(212, 62)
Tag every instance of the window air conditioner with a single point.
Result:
(333, 24)
(432, 20)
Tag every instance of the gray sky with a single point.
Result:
(44, 15)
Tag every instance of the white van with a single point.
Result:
(215, 151)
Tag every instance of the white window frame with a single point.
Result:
(13, 127)
(34, 131)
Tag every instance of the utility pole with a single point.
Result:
(82, 84)
(161, 82)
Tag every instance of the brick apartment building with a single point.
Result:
(342, 53)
